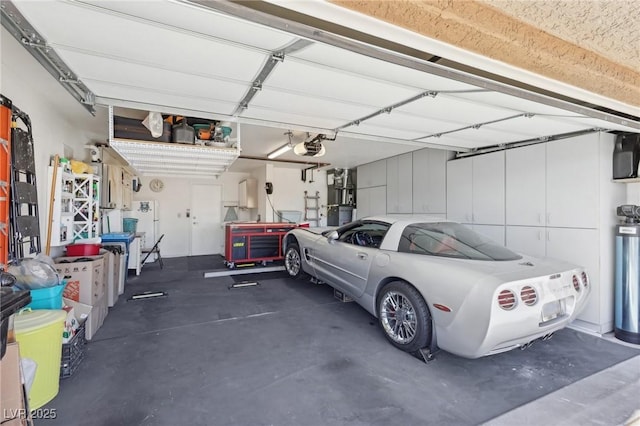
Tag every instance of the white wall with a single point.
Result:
(50, 108)
(173, 202)
(288, 191)
(633, 193)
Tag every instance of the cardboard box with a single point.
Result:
(93, 316)
(119, 289)
(111, 283)
(85, 280)
(12, 404)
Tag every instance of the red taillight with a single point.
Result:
(528, 295)
(507, 300)
(576, 283)
(585, 279)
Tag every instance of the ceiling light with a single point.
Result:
(278, 152)
(284, 148)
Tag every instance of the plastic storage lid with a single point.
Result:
(28, 321)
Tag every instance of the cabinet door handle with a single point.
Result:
(362, 256)
(548, 235)
(539, 235)
(539, 217)
(548, 218)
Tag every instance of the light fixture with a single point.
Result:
(278, 152)
(284, 148)
(311, 148)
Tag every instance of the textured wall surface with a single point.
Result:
(610, 28)
(482, 27)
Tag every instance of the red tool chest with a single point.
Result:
(247, 243)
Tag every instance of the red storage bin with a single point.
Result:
(83, 249)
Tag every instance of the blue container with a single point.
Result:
(130, 225)
(627, 283)
(47, 298)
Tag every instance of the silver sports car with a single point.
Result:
(441, 285)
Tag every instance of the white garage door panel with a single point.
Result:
(376, 131)
(323, 82)
(201, 20)
(413, 123)
(166, 101)
(536, 126)
(447, 108)
(485, 136)
(287, 117)
(295, 103)
(140, 42)
(152, 78)
(366, 66)
(511, 102)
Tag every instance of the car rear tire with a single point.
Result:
(404, 316)
(293, 261)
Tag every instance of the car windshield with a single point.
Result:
(450, 239)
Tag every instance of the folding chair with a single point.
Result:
(155, 249)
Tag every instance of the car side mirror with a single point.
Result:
(332, 236)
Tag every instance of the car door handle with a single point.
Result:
(362, 255)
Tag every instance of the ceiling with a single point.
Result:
(183, 57)
(609, 28)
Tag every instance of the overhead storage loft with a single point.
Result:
(198, 58)
(153, 158)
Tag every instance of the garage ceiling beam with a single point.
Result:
(474, 126)
(267, 69)
(14, 22)
(389, 109)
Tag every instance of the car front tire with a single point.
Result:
(293, 261)
(404, 316)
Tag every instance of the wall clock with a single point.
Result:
(156, 185)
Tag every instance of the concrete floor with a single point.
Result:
(287, 353)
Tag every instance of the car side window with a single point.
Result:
(448, 239)
(368, 234)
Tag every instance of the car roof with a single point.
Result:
(406, 220)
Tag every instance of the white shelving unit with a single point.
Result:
(86, 206)
(62, 221)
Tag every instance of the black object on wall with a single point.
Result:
(626, 155)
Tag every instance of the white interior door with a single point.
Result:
(206, 219)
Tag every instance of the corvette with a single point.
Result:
(439, 285)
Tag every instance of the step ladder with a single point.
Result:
(24, 216)
(312, 207)
(5, 179)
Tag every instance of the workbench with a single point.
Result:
(251, 243)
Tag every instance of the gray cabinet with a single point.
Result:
(371, 201)
(459, 190)
(248, 194)
(429, 181)
(399, 184)
(573, 173)
(372, 174)
(526, 178)
(476, 189)
(571, 210)
(488, 186)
